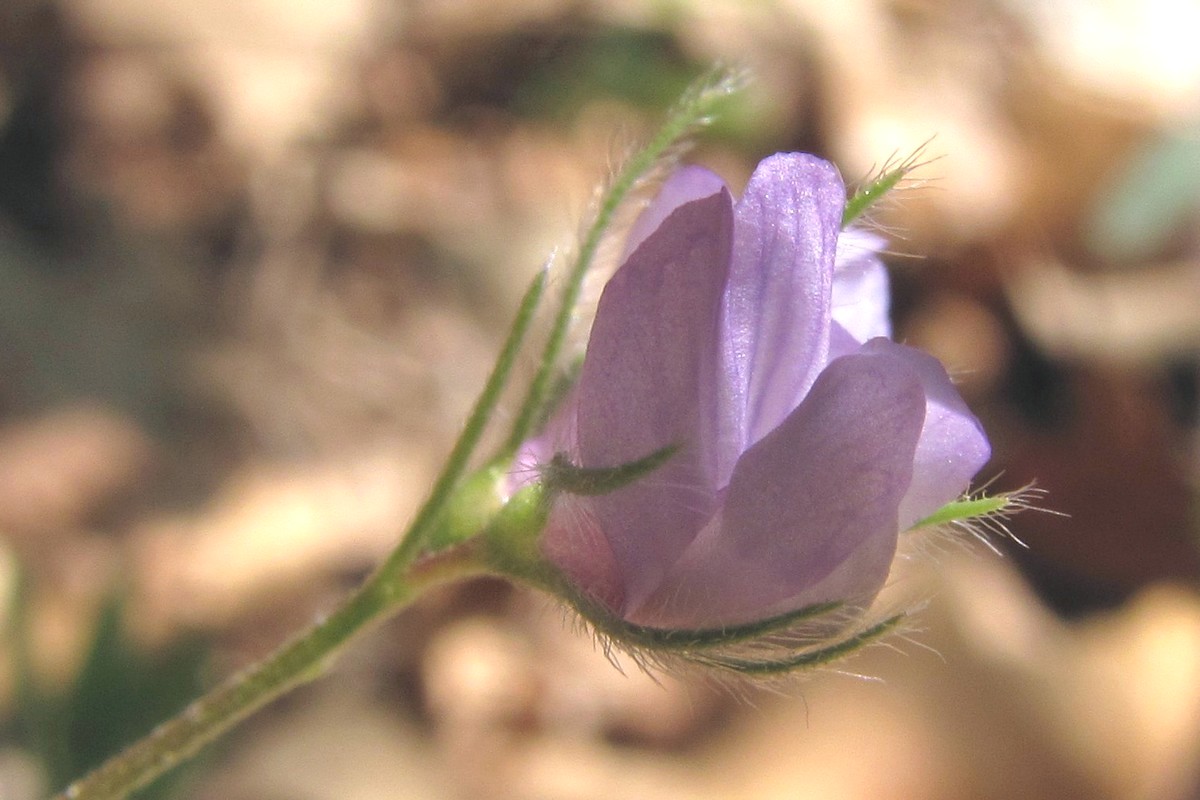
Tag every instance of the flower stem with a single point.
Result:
(456, 464)
(402, 576)
(302, 660)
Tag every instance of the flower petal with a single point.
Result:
(573, 541)
(953, 446)
(685, 185)
(777, 308)
(861, 290)
(841, 342)
(810, 515)
(648, 382)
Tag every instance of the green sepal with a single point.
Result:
(806, 659)
(560, 475)
(445, 508)
(688, 640)
(967, 508)
(510, 540)
(694, 110)
(469, 510)
(873, 191)
(866, 196)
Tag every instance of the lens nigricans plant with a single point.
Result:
(723, 480)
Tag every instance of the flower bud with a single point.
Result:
(753, 441)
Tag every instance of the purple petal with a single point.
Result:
(777, 309)
(683, 186)
(861, 291)
(811, 512)
(841, 342)
(953, 446)
(649, 381)
(573, 541)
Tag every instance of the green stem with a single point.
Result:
(300, 661)
(456, 464)
(393, 586)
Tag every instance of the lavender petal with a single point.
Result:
(810, 514)
(777, 310)
(648, 382)
(953, 446)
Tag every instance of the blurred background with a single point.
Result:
(256, 258)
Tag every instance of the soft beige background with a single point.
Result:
(284, 240)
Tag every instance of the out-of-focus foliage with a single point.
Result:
(1154, 198)
(119, 693)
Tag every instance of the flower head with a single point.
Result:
(748, 339)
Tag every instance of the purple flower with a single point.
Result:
(750, 336)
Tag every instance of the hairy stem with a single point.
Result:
(300, 661)
(401, 577)
(456, 464)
